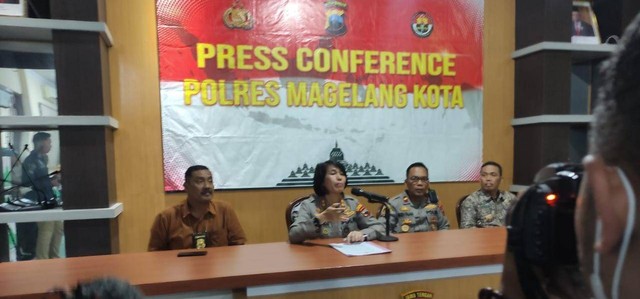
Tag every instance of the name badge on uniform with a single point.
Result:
(199, 240)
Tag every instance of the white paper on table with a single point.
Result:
(359, 249)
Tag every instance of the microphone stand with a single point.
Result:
(6, 177)
(387, 215)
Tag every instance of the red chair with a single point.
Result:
(290, 207)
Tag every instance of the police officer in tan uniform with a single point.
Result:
(329, 213)
(416, 209)
(488, 206)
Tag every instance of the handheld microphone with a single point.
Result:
(373, 197)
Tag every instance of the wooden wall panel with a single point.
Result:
(135, 97)
(499, 41)
(138, 144)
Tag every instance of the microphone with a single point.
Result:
(377, 198)
(373, 197)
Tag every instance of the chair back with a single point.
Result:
(291, 207)
(458, 207)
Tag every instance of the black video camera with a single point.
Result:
(540, 227)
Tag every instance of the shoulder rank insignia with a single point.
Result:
(431, 207)
(348, 212)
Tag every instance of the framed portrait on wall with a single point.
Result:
(584, 25)
(14, 8)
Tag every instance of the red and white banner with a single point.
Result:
(262, 90)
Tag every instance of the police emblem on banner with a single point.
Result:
(237, 17)
(418, 294)
(422, 24)
(336, 13)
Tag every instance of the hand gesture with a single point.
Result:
(332, 213)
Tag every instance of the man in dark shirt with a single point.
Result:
(35, 174)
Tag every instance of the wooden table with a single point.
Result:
(270, 268)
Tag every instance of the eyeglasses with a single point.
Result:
(415, 179)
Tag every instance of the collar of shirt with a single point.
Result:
(486, 197)
(186, 211)
(420, 204)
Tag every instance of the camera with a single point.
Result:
(540, 227)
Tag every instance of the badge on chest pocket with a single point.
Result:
(199, 240)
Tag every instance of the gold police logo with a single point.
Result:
(422, 24)
(325, 231)
(335, 11)
(237, 17)
(417, 294)
(200, 244)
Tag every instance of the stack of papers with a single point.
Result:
(359, 249)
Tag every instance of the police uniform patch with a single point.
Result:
(362, 210)
(237, 17)
(422, 24)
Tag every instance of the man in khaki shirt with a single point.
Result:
(488, 206)
(199, 221)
